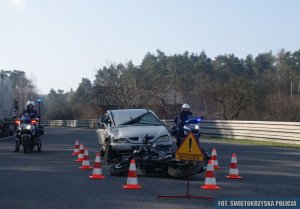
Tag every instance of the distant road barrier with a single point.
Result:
(92, 123)
(284, 132)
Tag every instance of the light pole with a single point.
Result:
(21, 95)
(39, 101)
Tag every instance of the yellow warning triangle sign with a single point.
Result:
(189, 149)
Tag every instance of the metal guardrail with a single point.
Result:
(284, 132)
(92, 123)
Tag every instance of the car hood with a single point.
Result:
(136, 134)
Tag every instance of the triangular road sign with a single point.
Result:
(189, 149)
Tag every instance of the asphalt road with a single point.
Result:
(52, 180)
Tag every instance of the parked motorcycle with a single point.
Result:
(154, 160)
(28, 133)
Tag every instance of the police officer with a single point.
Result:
(28, 111)
(179, 121)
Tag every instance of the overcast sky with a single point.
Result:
(59, 42)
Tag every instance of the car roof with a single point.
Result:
(129, 110)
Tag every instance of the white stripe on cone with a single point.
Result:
(233, 160)
(132, 167)
(233, 171)
(131, 180)
(215, 162)
(210, 181)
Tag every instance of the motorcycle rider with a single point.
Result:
(32, 113)
(30, 110)
(179, 121)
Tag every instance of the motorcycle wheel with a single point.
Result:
(31, 144)
(39, 144)
(120, 169)
(25, 143)
(181, 170)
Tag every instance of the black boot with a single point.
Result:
(17, 145)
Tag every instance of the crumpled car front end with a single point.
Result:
(128, 137)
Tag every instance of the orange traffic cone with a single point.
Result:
(233, 171)
(132, 182)
(76, 150)
(210, 180)
(86, 161)
(81, 154)
(97, 172)
(214, 158)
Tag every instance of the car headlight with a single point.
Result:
(28, 127)
(121, 140)
(164, 138)
(197, 127)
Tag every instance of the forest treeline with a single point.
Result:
(265, 87)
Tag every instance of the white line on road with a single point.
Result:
(9, 137)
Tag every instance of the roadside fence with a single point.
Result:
(284, 132)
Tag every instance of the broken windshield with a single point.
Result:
(145, 119)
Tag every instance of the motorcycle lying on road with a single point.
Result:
(152, 160)
(29, 132)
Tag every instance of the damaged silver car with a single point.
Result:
(120, 131)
